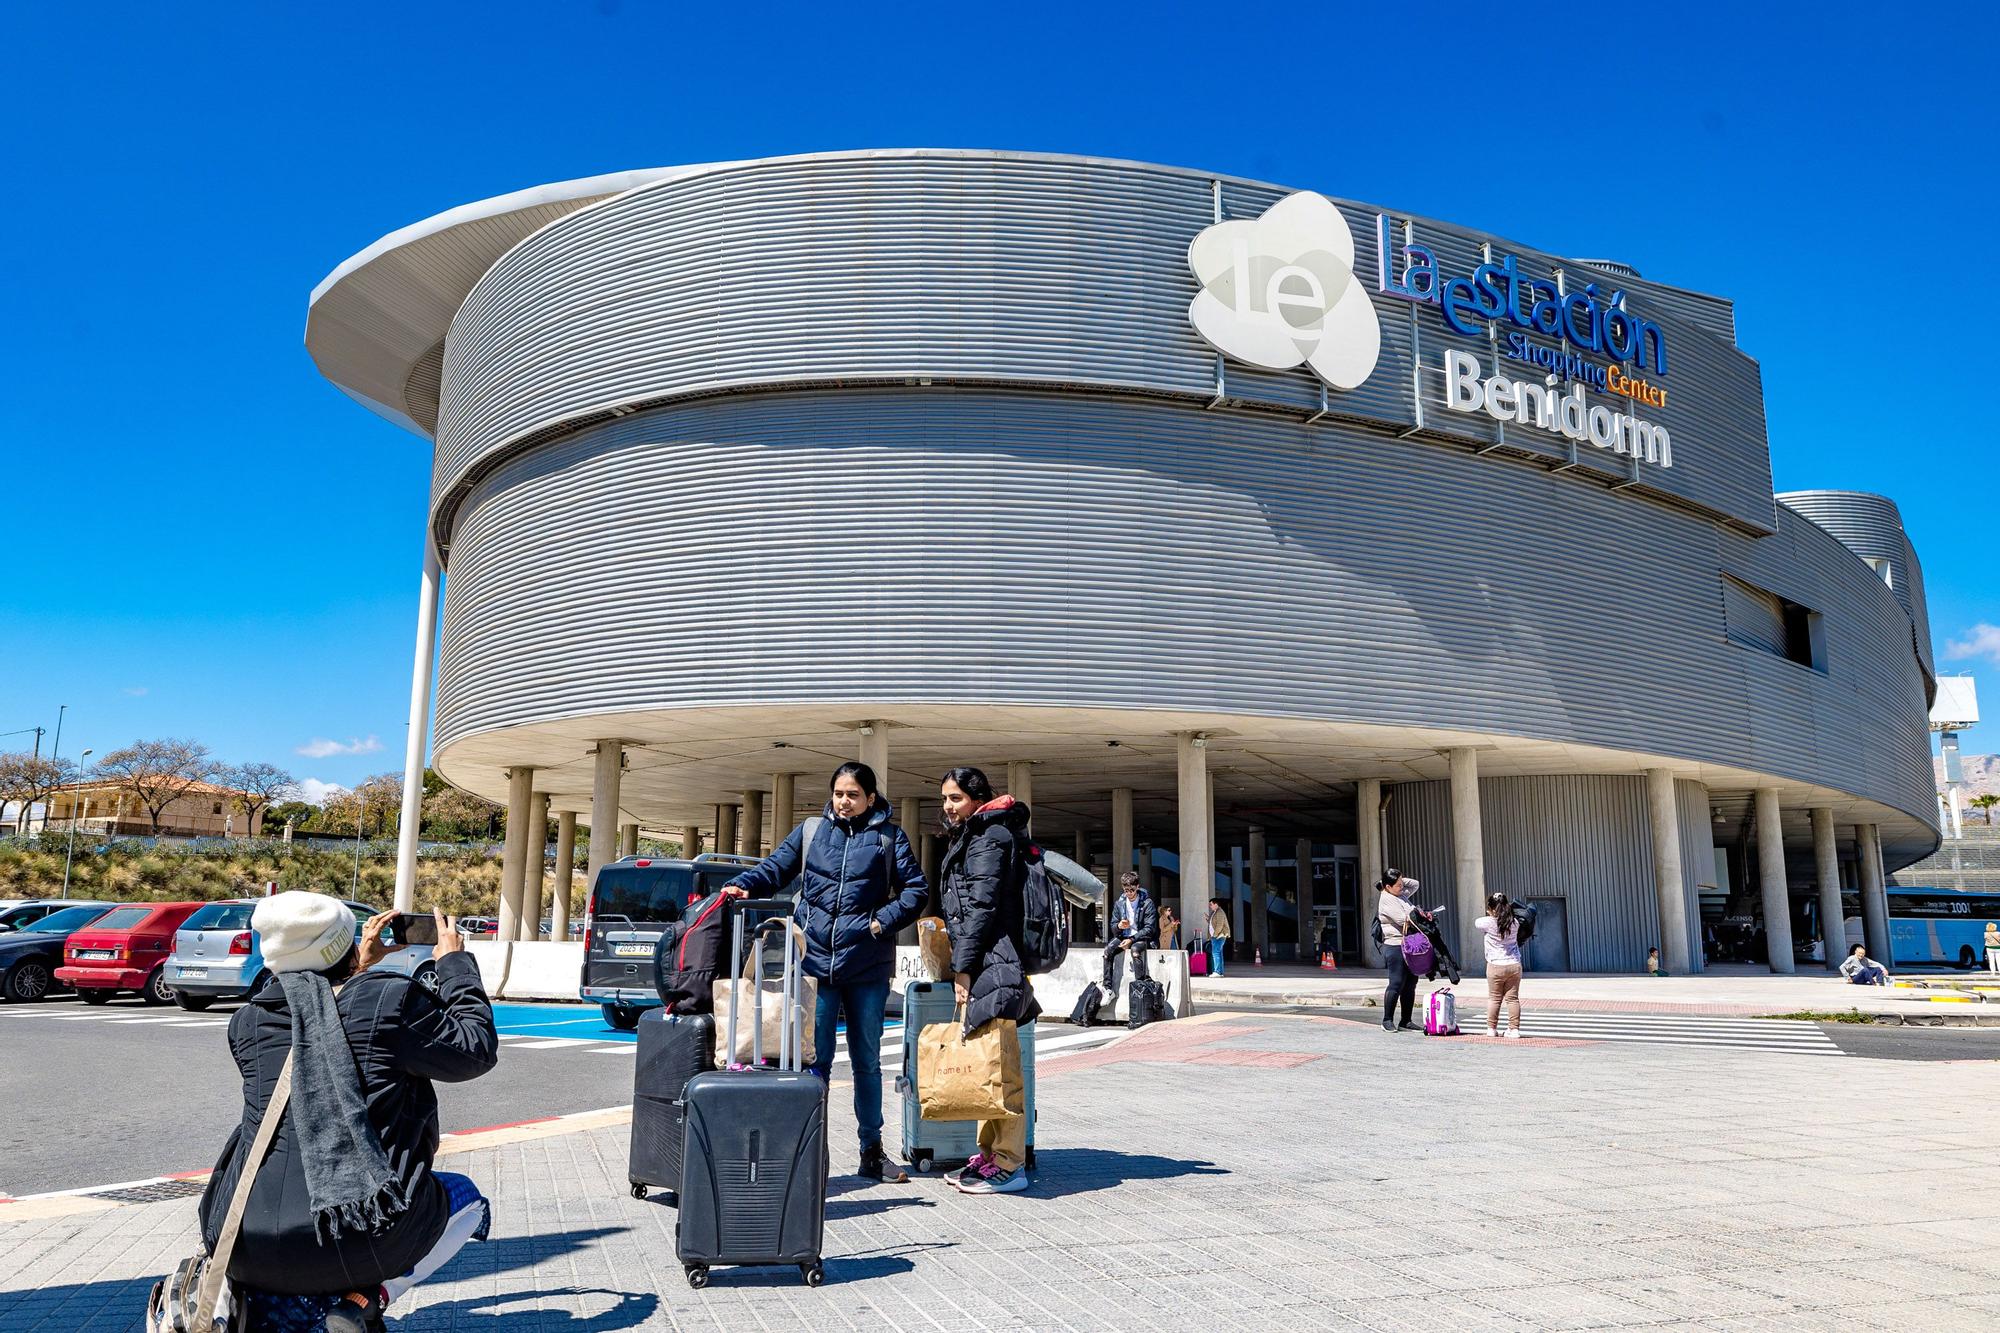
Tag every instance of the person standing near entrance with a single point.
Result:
(1218, 936)
(980, 886)
(1392, 916)
(1993, 947)
(1501, 931)
(859, 883)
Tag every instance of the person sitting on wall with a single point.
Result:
(1862, 970)
(1135, 924)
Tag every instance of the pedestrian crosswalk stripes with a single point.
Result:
(1752, 1034)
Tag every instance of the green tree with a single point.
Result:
(1984, 803)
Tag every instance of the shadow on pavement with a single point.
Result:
(843, 1268)
(64, 1309)
(511, 1252)
(1061, 1172)
(633, 1309)
(838, 1209)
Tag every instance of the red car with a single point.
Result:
(126, 949)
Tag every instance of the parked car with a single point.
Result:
(633, 901)
(20, 915)
(30, 955)
(217, 956)
(470, 926)
(126, 949)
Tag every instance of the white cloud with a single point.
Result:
(135, 691)
(314, 792)
(319, 747)
(1982, 640)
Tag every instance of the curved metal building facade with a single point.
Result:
(741, 467)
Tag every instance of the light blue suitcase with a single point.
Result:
(930, 1145)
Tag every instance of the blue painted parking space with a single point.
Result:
(583, 1022)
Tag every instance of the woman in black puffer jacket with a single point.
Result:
(981, 882)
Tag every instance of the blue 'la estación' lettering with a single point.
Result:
(1585, 319)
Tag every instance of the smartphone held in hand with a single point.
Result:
(414, 928)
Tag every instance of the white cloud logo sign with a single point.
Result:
(1280, 291)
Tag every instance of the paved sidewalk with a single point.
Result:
(1726, 991)
(1263, 1171)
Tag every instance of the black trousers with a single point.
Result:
(1402, 987)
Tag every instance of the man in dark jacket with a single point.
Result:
(402, 1034)
(1135, 924)
(859, 883)
(982, 878)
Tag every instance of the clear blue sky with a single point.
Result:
(203, 538)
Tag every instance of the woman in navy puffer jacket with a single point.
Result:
(859, 883)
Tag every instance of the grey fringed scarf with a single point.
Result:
(349, 1181)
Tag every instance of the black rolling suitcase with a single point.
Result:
(753, 1180)
(673, 1048)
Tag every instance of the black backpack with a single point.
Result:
(1044, 917)
(1524, 923)
(1146, 1003)
(689, 954)
(1087, 1006)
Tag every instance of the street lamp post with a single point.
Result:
(70, 855)
(360, 821)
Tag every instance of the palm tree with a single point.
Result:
(1984, 804)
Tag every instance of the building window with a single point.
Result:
(1883, 570)
(1758, 618)
(218, 807)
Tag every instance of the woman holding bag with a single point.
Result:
(980, 885)
(859, 883)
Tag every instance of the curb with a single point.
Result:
(1951, 1016)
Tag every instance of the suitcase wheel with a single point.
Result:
(922, 1161)
(814, 1273)
(1029, 1159)
(638, 1190)
(697, 1275)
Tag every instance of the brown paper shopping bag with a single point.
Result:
(975, 1077)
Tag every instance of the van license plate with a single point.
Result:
(635, 951)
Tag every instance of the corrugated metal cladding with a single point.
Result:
(1585, 839)
(1872, 527)
(1000, 547)
(972, 268)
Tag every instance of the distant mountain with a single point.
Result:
(1982, 773)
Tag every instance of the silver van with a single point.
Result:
(218, 957)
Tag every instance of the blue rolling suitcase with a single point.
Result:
(931, 1144)
(753, 1173)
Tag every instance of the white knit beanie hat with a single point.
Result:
(302, 932)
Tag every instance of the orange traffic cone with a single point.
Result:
(1327, 964)
(1258, 961)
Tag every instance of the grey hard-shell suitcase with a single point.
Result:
(931, 1144)
(673, 1048)
(753, 1177)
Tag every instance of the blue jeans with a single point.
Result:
(1215, 948)
(864, 1005)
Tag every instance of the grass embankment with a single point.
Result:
(466, 885)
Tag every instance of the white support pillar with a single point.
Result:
(725, 829)
(1468, 845)
(753, 823)
(784, 806)
(565, 878)
(1874, 894)
(1368, 832)
(1121, 847)
(1771, 882)
(1260, 893)
(1669, 881)
(691, 841)
(1145, 868)
(875, 752)
(1302, 861)
(411, 826)
(1826, 866)
(930, 851)
(628, 839)
(535, 866)
(605, 774)
(1236, 892)
(1021, 786)
(1197, 837)
(514, 851)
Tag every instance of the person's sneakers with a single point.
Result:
(992, 1180)
(875, 1165)
(1388, 1025)
(1406, 1026)
(1514, 1034)
(975, 1167)
(348, 1317)
(1492, 1033)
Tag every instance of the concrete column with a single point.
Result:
(514, 852)
(1468, 845)
(1368, 830)
(725, 829)
(784, 806)
(605, 773)
(1302, 858)
(1236, 894)
(1021, 786)
(1669, 883)
(1121, 846)
(910, 814)
(690, 841)
(1771, 880)
(1197, 836)
(535, 866)
(565, 875)
(1145, 867)
(1874, 894)
(753, 823)
(1260, 893)
(930, 850)
(1826, 865)
(628, 839)
(408, 830)
(875, 752)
